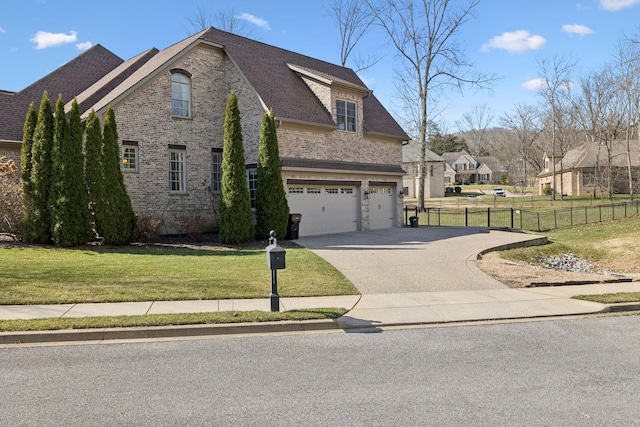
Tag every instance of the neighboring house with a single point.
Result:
(434, 176)
(585, 170)
(341, 151)
(470, 170)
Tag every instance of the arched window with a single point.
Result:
(180, 95)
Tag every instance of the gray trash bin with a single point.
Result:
(413, 221)
(293, 230)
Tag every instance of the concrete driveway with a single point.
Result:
(411, 260)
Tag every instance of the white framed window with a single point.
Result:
(177, 171)
(331, 190)
(216, 171)
(130, 156)
(296, 190)
(314, 190)
(252, 183)
(346, 191)
(346, 115)
(180, 95)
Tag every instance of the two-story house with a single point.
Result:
(472, 170)
(341, 151)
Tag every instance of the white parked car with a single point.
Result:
(499, 192)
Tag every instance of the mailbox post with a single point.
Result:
(275, 261)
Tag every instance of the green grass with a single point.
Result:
(611, 298)
(167, 319)
(154, 273)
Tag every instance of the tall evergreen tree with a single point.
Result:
(272, 209)
(57, 200)
(119, 220)
(36, 227)
(27, 143)
(236, 220)
(93, 168)
(71, 224)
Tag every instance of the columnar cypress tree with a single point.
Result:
(36, 227)
(93, 168)
(236, 220)
(272, 209)
(27, 144)
(119, 221)
(57, 199)
(71, 222)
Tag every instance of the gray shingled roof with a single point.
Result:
(98, 78)
(278, 86)
(411, 153)
(68, 81)
(589, 154)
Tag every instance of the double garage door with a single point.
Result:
(328, 208)
(325, 209)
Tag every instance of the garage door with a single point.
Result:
(325, 209)
(382, 207)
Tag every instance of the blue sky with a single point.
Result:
(506, 37)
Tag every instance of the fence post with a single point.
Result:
(512, 218)
(489, 217)
(466, 217)
(539, 219)
(586, 216)
(555, 220)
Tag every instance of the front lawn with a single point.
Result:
(157, 273)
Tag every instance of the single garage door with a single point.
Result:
(325, 209)
(382, 207)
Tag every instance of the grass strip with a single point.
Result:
(57, 323)
(612, 298)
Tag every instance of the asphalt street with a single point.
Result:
(565, 372)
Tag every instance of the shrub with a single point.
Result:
(193, 227)
(10, 198)
(458, 189)
(148, 229)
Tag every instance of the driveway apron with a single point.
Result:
(407, 260)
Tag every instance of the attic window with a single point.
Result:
(346, 115)
(180, 95)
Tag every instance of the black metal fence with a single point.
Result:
(542, 220)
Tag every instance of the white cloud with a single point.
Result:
(580, 30)
(43, 39)
(515, 42)
(84, 45)
(537, 84)
(534, 84)
(614, 5)
(2, 30)
(255, 20)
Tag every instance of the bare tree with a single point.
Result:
(353, 20)
(626, 68)
(523, 125)
(226, 20)
(423, 33)
(555, 89)
(474, 124)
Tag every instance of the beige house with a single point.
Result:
(586, 169)
(471, 170)
(341, 151)
(434, 175)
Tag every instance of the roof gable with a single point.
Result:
(69, 80)
(268, 70)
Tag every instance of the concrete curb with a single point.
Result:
(192, 331)
(155, 332)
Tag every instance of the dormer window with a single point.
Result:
(180, 95)
(346, 115)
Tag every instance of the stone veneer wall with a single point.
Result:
(145, 117)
